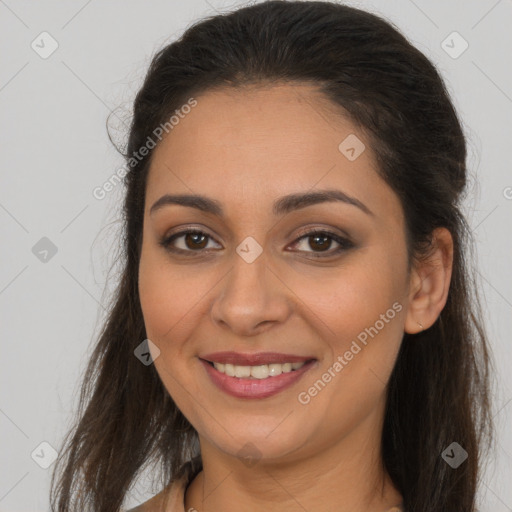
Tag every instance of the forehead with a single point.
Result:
(258, 143)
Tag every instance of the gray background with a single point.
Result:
(55, 151)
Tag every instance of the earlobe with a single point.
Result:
(430, 283)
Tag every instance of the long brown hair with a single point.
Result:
(439, 391)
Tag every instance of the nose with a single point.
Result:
(251, 298)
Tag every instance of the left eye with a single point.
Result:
(319, 240)
(322, 241)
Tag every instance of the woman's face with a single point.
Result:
(253, 282)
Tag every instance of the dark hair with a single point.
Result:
(439, 390)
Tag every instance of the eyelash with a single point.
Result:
(344, 243)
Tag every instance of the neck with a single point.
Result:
(345, 476)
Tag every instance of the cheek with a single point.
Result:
(167, 299)
(168, 295)
(349, 298)
(364, 315)
(359, 312)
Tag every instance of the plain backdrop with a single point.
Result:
(58, 240)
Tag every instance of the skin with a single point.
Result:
(246, 148)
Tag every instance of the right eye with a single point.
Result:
(193, 241)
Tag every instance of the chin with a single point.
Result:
(262, 442)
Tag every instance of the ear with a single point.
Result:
(429, 283)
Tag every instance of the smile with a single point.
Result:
(255, 375)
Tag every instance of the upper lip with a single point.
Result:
(254, 359)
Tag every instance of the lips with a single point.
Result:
(262, 386)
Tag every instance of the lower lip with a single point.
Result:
(255, 388)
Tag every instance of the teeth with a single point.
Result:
(242, 371)
(257, 372)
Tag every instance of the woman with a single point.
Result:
(296, 326)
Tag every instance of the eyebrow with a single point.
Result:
(281, 206)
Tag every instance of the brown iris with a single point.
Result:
(194, 237)
(321, 246)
